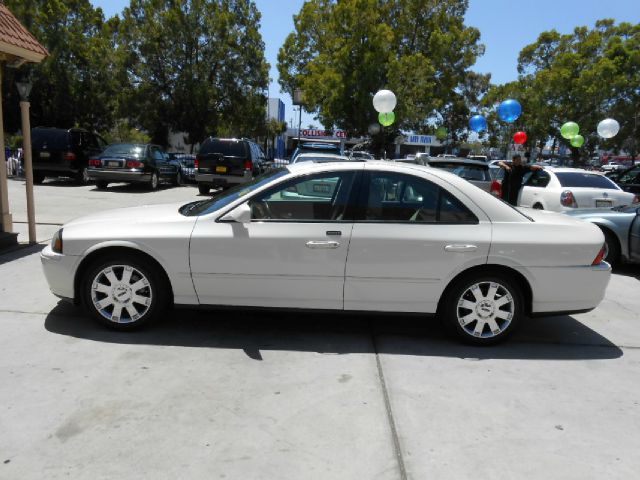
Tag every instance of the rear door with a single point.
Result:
(224, 157)
(410, 237)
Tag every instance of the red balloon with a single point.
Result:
(520, 138)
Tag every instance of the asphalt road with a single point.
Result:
(238, 394)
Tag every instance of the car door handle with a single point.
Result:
(460, 248)
(322, 244)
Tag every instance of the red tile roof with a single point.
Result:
(13, 33)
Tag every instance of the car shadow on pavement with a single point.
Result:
(628, 270)
(555, 338)
(19, 252)
(131, 188)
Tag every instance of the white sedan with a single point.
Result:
(356, 236)
(561, 189)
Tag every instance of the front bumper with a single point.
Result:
(568, 289)
(97, 174)
(59, 270)
(214, 180)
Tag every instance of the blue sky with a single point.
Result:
(506, 27)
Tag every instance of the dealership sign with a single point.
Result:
(420, 139)
(324, 133)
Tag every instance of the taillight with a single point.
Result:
(94, 162)
(70, 156)
(567, 199)
(134, 164)
(496, 188)
(196, 163)
(600, 257)
(248, 165)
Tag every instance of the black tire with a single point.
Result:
(203, 189)
(38, 178)
(154, 182)
(178, 180)
(612, 247)
(82, 177)
(156, 290)
(537, 206)
(101, 185)
(486, 305)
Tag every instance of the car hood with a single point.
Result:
(144, 214)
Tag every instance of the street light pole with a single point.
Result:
(297, 100)
(24, 89)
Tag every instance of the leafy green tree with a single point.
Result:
(196, 66)
(74, 84)
(342, 52)
(584, 76)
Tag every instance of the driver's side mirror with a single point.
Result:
(240, 214)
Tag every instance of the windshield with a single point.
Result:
(585, 179)
(128, 149)
(224, 198)
(468, 172)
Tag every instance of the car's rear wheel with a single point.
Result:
(611, 247)
(203, 189)
(153, 183)
(124, 292)
(538, 206)
(483, 309)
(178, 180)
(100, 185)
(38, 178)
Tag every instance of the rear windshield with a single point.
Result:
(50, 139)
(228, 149)
(318, 159)
(468, 172)
(585, 179)
(125, 149)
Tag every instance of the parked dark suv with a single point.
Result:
(222, 162)
(63, 153)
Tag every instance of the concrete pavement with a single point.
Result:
(263, 395)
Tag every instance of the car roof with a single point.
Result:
(572, 170)
(461, 161)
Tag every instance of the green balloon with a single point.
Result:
(386, 118)
(577, 141)
(569, 130)
(441, 133)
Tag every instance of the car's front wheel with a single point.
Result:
(483, 309)
(611, 247)
(203, 189)
(124, 292)
(102, 185)
(153, 183)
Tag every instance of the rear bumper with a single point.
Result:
(54, 169)
(97, 174)
(568, 289)
(213, 179)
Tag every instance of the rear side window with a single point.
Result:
(50, 139)
(226, 148)
(388, 197)
(588, 180)
(538, 178)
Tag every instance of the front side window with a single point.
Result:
(538, 178)
(312, 198)
(399, 198)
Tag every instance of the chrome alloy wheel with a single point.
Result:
(121, 293)
(485, 309)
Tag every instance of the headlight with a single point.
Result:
(56, 242)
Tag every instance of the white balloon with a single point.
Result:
(608, 128)
(384, 101)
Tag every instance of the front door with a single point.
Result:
(409, 239)
(291, 254)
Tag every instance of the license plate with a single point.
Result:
(221, 169)
(604, 203)
(45, 154)
(113, 164)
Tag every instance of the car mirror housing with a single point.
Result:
(240, 214)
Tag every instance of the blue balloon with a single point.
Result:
(478, 123)
(509, 110)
